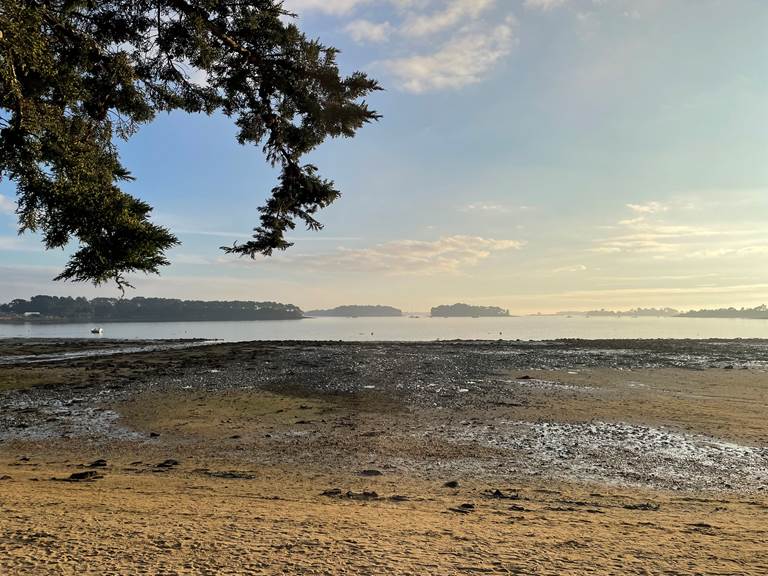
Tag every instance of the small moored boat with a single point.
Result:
(97, 330)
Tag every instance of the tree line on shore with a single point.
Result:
(144, 309)
(758, 312)
(140, 309)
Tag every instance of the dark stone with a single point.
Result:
(100, 463)
(229, 475)
(154, 435)
(498, 494)
(169, 463)
(86, 476)
(337, 493)
(451, 484)
(365, 495)
(371, 473)
(463, 509)
(642, 506)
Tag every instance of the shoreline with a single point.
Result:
(274, 456)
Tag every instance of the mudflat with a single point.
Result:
(568, 457)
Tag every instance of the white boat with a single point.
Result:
(97, 330)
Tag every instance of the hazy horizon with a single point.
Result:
(537, 155)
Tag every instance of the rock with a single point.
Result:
(526, 377)
(229, 475)
(370, 473)
(235, 437)
(365, 495)
(100, 463)
(498, 494)
(169, 463)
(337, 493)
(465, 508)
(5, 477)
(86, 476)
(154, 435)
(451, 484)
(642, 506)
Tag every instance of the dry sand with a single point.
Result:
(302, 459)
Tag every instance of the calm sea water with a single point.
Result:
(409, 329)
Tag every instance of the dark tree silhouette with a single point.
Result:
(75, 74)
(49, 308)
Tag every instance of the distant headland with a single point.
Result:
(67, 309)
(467, 311)
(649, 312)
(756, 313)
(354, 311)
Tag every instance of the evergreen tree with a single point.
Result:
(76, 74)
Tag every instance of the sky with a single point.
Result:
(538, 155)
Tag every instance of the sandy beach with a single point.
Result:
(570, 457)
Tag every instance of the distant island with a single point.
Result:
(465, 310)
(653, 312)
(68, 309)
(353, 311)
(757, 313)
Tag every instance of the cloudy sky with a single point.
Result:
(539, 155)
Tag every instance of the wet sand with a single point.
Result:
(624, 457)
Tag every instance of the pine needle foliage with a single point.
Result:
(76, 75)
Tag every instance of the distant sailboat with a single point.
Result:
(97, 330)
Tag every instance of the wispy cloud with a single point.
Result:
(648, 208)
(7, 206)
(571, 269)
(651, 233)
(467, 38)
(366, 31)
(544, 4)
(447, 255)
(464, 59)
(494, 208)
(17, 244)
(445, 17)
(326, 6)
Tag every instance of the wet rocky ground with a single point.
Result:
(443, 409)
